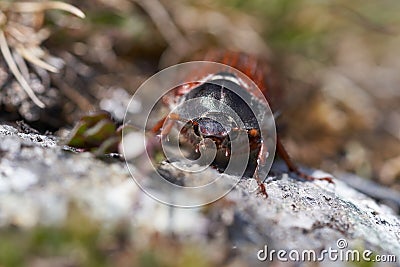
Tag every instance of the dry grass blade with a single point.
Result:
(29, 7)
(30, 55)
(5, 50)
(25, 40)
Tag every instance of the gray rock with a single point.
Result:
(39, 179)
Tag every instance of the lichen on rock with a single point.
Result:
(39, 180)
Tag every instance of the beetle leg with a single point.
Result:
(261, 187)
(168, 126)
(261, 157)
(260, 184)
(293, 167)
(163, 128)
(158, 125)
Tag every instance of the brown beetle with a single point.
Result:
(200, 128)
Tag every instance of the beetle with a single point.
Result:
(196, 130)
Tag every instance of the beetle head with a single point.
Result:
(209, 128)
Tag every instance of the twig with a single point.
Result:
(73, 95)
(165, 25)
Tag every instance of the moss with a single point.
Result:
(81, 241)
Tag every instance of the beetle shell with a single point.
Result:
(257, 69)
(217, 88)
(213, 88)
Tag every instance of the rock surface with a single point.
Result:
(39, 178)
